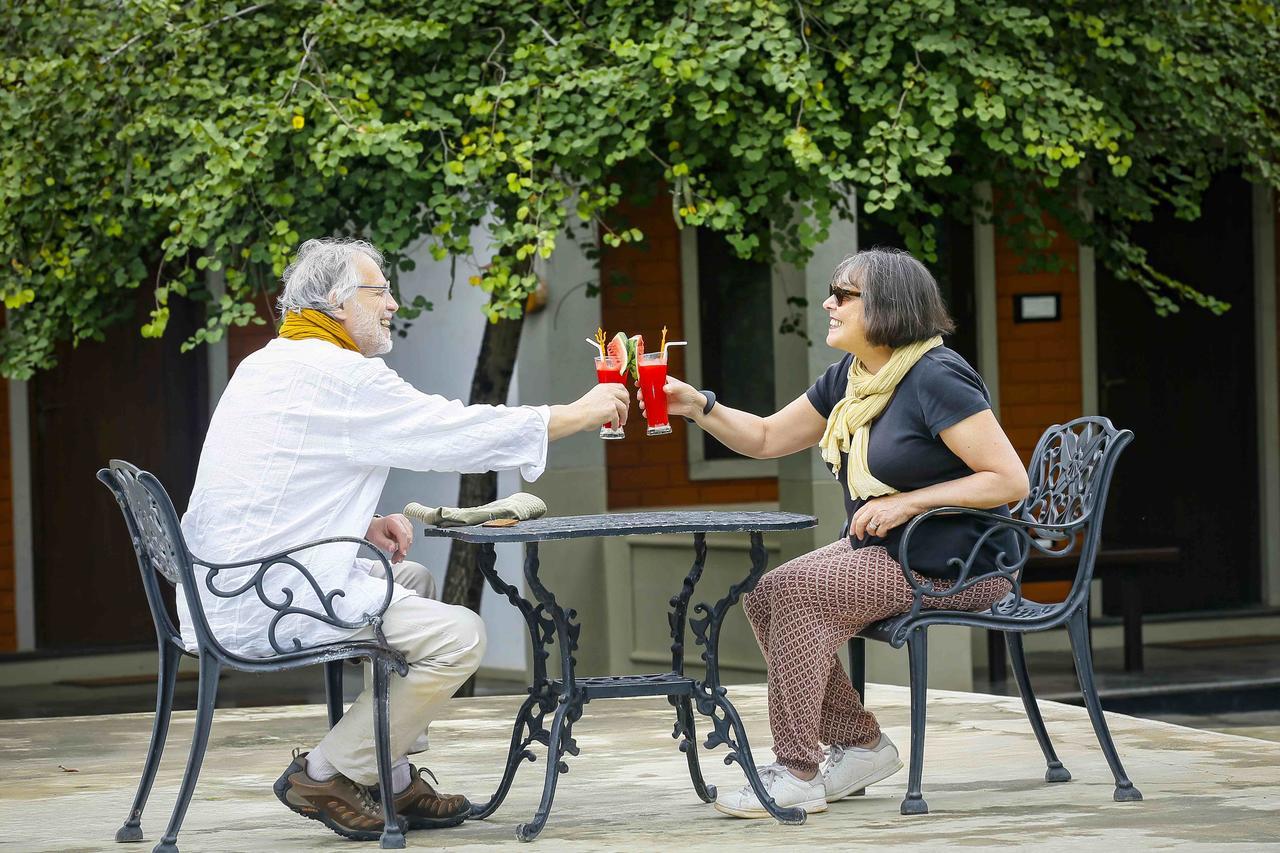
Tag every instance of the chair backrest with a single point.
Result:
(121, 479)
(1070, 474)
(157, 538)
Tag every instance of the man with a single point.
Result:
(298, 450)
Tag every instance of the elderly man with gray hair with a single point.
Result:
(298, 450)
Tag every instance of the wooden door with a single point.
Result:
(124, 398)
(1185, 385)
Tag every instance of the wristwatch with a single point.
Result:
(711, 401)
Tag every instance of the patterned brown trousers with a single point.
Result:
(802, 613)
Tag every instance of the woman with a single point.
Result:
(906, 425)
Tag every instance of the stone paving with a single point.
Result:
(68, 782)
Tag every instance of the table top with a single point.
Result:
(625, 524)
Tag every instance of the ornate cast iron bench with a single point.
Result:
(564, 697)
(162, 551)
(1070, 473)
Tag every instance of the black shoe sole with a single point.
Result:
(281, 788)
(439, 822)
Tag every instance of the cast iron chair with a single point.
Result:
(1070, 472)
(161, 550)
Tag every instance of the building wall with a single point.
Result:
(8, 613)
(640, 293)
(1040, 380)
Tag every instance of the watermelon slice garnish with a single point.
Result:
(635, 349)
(617, 349)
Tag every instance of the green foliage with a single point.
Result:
(150, 140)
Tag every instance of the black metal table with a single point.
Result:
(564, 697)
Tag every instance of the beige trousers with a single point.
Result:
(442, 643)
(408, 574)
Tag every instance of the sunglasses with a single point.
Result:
(843, 295)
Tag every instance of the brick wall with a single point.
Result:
(641, 292)
(8, 613)
(1040, 379)
(1040, 382)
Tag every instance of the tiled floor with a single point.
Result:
(67, 783)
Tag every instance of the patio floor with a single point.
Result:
(69, 781)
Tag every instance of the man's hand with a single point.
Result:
(606, 402)
(393, 534)
(682, 398)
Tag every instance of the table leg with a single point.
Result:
(709, 695)
(684, 729)
(529, 726)
(568, 704)
(1131, 607)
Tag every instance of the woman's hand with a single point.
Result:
(682, 398)
(880, 515)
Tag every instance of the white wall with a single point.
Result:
(439, 357)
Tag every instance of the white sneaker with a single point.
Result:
(787, 791)
(852, 768)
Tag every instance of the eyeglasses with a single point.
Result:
(381, 289)
(843, 295)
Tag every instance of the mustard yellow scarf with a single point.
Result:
(865, 397)
(316, 324)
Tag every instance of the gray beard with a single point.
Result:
(370, 336)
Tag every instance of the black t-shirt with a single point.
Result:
(905, 452)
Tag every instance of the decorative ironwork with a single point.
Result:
(566, 696)
(680, 602)
(1069, 476)
(161, 551)
(706, 629)
(709, 695)
(257, 582)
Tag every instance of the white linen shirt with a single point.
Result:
(299, 449)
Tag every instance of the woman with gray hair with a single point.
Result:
(905, 425)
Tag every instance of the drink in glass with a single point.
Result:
(610, 369)
(653, 378)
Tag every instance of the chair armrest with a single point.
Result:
(286, 607)
(1031, 535)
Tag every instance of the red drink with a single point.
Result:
(607, 371)
(653, 379)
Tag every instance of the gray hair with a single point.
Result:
(323, 274)
(901, 303)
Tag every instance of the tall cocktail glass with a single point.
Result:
(653, 379)
(609, 369)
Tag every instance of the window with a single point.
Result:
(730, 303)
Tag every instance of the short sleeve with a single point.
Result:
(949, 391)
(827, 390)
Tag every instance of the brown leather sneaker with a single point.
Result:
(424, 808)
(340, 804)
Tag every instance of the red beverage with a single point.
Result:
(607, 371)
(653, 379)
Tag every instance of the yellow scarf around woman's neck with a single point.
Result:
(865, 397)
(311, 323)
